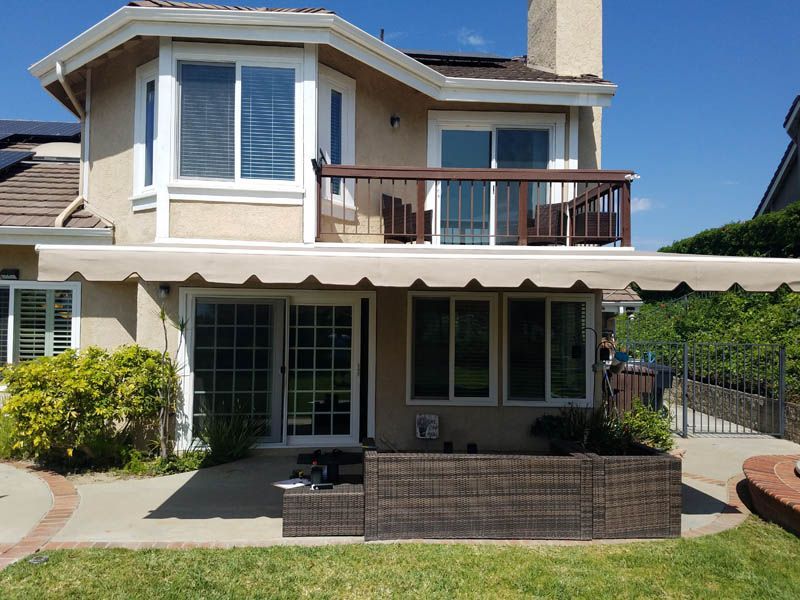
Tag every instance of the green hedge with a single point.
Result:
(773, 234)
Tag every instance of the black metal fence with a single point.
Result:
(708, 387)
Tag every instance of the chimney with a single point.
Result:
(566, 36)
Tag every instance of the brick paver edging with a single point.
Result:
(65, 501)
(775, 489)
(733, 514)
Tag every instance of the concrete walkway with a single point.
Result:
(24, 500)
(236, 505)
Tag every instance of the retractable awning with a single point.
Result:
(438, 267)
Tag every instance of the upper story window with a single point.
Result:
(238, 115)
(145, 126)
(336, 118)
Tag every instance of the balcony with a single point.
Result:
(524, 207)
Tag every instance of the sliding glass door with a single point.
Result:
(237, 363)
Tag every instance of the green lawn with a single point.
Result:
(756, 560)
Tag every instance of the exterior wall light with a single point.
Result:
(163, 291)
(394, 121)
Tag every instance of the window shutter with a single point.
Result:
(268, 131)
(43, 323)
(568, 350)
(4, 299)
(207, 120)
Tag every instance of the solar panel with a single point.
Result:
(8, 158)
(9, 127)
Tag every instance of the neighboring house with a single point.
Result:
(353, 234)
(616, 303)
(784, 187)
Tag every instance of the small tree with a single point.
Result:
(169, 388)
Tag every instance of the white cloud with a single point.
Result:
(470, 37)
(639, 205)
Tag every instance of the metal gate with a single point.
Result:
(708, 387)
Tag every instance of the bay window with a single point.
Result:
(37, 319)
(546, 353)
(452, 348)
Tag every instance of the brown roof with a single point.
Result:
(204, 5)
(626, 295)
(33, 194)
(494, 67)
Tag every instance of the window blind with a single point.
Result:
(336, 136)
(471, 374)
(43, 323)
(568, 350)
(526, 349)
(149, 130)
(4, 298)
(207, 120)
(431, 347)
(268, 131)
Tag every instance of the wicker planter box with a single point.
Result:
(487, 496)
(339, 511)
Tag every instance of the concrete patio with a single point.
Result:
(236, 504)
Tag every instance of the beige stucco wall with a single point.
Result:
(20, 257)
(233, 221)
(491, 427)
(108, 314)
(113, 94)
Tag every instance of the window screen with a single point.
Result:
(526, 349)
(268, 132)
(431, 347)
(568, 350)
(207, 120)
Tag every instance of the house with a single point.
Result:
(616, 303)
(352, 234)
(784, 187)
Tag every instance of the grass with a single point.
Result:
(756, 560)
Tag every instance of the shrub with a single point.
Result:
(145, 465)
(648, 427)
(7, 438)
(76, 408)
(227, 438)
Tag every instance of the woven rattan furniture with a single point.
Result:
(338, 511)
(576, 496)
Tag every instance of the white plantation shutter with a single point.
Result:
(267, 121)
(207, 124)
(43, 322)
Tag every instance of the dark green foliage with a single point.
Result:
(227, 438)
(774, 234)
(141, 464)
(606, 433)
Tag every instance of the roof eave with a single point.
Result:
(31, 236)
(316, 28)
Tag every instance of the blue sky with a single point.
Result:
(704, 86)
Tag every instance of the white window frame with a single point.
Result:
(329, 81)
(187, 300)
(549, 401)
(442, 120)
(144, 195)
(491, 400)
(259, 190)
(12, 286)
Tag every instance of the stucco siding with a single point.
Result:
(111, 142)
(232, 221)
(108, 314)
(20, 257)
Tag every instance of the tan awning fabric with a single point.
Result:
(394, 266)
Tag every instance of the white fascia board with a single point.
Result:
(31, 236)
(310, 28)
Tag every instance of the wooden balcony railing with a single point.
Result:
(526, 207)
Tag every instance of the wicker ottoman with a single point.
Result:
(339, 511)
